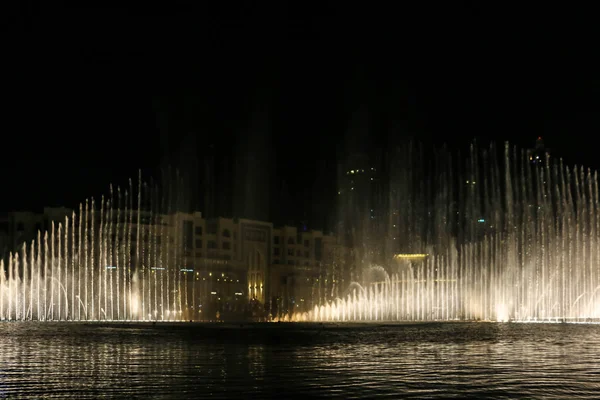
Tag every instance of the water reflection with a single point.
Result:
(361, 361)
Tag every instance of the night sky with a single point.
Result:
(92, 94)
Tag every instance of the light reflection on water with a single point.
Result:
(283, 360)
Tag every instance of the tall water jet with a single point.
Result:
(2, 285)
(503, 235)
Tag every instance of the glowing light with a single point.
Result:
(411, 256)
(502, 314)
(135, 304)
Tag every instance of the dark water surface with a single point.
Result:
(178, 361)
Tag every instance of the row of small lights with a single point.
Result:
(191, 270)
(358, 171)
(210, 274)
(218, 279)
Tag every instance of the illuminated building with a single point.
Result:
(241, 262)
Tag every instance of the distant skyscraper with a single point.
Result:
(358, 183)
(539, 154)
(362, 207)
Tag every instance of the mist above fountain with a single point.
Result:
(498, 235)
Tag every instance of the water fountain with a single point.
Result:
(502, 238)
(106, 264)
(496, 238)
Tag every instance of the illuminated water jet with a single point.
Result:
(494, 236)
(95, 265)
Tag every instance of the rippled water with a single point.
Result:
(283, 360)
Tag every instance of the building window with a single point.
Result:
(212, 228)
(226, 233)
(20, 226)
(290, 240)
(198, 243)
(290, 252)
(306, 254)
(290, 262)
(299, 253)
(226, 246)
(198, 230)
(199, 254)
(306, 243)
(276, 251)
(275, 239)
(276, 261)
(212, 244)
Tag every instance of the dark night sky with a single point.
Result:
(92, 94)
